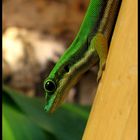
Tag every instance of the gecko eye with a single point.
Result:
(50, 86)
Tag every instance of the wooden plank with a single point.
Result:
(114, 112)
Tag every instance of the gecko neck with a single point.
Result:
(99, 18)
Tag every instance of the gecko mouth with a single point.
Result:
(50, 104)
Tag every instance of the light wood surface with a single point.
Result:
(114, 112)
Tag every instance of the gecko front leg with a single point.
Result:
(99, 42)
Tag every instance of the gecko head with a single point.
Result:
(56, 86)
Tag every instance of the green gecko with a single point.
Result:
(89, 47)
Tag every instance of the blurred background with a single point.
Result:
(35, 34)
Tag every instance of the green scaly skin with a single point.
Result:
(89, 47)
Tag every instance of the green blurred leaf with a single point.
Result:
(67, 123)
(7, 132)
(16, 126)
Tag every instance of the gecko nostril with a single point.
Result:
(66, 68)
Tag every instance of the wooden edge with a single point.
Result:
(114, 112)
